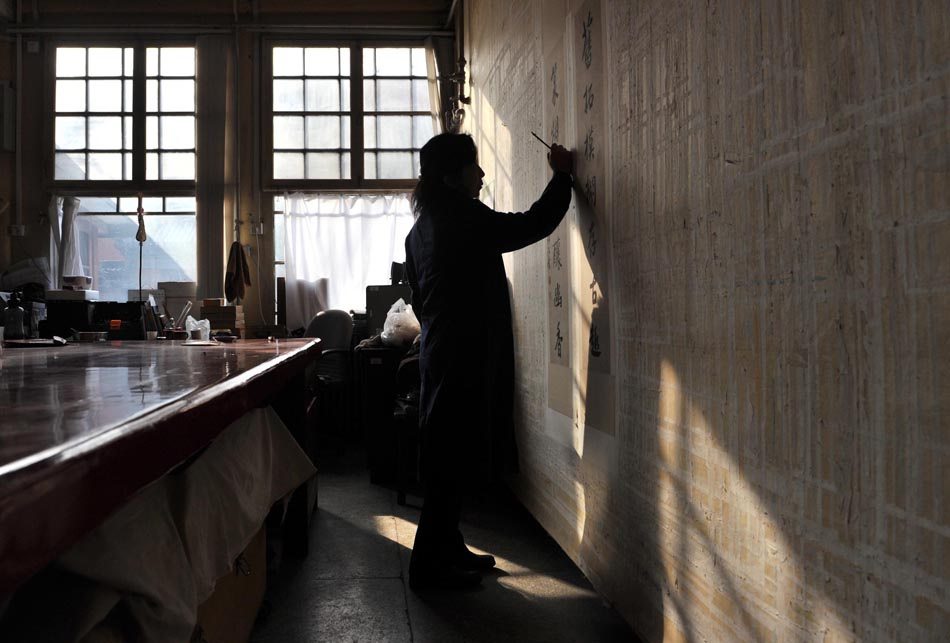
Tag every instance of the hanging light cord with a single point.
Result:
(140, 237)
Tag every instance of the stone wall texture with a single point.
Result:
(779, 216)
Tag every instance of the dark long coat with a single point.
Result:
(460, 295)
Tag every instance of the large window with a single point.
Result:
(110, 253)
(124, 123)
(124, 114)
(350, 116)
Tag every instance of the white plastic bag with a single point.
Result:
(401, 325)
(202, 325)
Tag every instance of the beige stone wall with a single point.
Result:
(779, 189)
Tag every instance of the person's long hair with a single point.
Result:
(444, 155)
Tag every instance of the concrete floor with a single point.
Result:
(353, 586)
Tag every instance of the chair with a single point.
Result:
(332, 377)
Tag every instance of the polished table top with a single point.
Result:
(85, 426)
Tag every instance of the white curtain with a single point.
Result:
(348, 240)
(65, 258)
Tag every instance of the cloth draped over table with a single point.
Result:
(350, 241)
(160, 555)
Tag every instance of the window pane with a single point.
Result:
(105, 133)
(393, 96)
(97, 204)
(127, 167)
(178, 132)
(369, 165)
(345, 95)
(395, 131)
(151, 132)
(345, 162)
(127, 134)
(178, 166)
(129, 97)
(369, 132)
(322, 61)
(105, 95)
(395, 165)
(105, 61)
(420, 96)
(288, 166)
(180, 204)
(416, 165)
(105, 167)
(345, 130)
(323, 166)
(129, 62)
(151, 95)
(288, 61)
(70, 61)
(369, 96)
(151, 166)
(70, 167)
(323, 132)
(419, 62)
(421, 130)
(392, 62)
(323, 96)
(288, 95)
(151, 61)
(369, 61)
(113, 254)
(344, 61)
(70, 132)
(288, 132)
(178, 61)
(178, 95)
(70, 95)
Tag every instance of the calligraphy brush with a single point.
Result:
(540, 139)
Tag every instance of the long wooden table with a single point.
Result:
(84, 427)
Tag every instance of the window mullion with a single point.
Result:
(356, 112)
(138, 115)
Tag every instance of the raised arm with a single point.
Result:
(508, 231)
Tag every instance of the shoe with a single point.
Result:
(443, 577)
(473, 562)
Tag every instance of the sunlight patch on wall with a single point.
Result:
(708, 545)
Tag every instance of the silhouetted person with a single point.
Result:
(460, 295)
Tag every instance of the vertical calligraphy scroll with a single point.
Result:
(554, 95)
(590, 286)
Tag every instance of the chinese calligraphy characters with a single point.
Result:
(587, 36)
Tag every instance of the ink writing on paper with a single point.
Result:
(554, 92)
(587, 37)
(590, 190)
(558, 340)
(592, 239)
(589, 144)
(588, 98)
(594, 341)
(556, 254)
(558, 299)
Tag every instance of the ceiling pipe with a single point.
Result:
(349, 30)
(18, 170)
(448, 18)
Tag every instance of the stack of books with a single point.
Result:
(223, 317)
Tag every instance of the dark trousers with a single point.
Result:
(438, 539)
